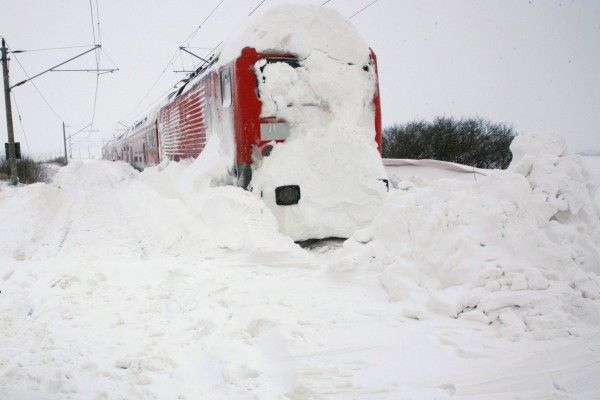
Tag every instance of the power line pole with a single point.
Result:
(12, 160)
(65, 144)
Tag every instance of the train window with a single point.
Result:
(226, 87)
(292, 62)
(262, 63)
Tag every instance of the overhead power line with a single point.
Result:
(172, 59)
(191, 36)
(50, 49)
(98, 22)
(92, 19)
(54, 67)
(257, 7)
(37, 89)
(363, 9)
(109, 58)
(97, 54)
(21, 122)
(154, 84)
(95, 101)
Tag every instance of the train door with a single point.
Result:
(160, 150)
(156, 143)
(144, 155)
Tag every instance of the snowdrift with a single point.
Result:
(517, 249)
(184, 276)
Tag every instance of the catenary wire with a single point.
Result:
(98, 22)
(95, 102)
(109, 58)
(21, 121)
(51, 48)
(363, 9)
(171, 61)
(92, 20)
(36, 88)
(193, 34)
(257, 7)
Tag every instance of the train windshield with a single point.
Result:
(272, 127)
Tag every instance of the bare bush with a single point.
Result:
(474, 141)
(29, 171)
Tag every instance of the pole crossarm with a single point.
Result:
(56, 66)
(194, 54)
(86, 70)
(79, 131)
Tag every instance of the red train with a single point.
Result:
(215, 98)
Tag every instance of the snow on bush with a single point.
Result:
(517, 249)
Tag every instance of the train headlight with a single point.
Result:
(266, 150)
(287, 195)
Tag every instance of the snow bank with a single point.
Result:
(171, 209)
(517, 249)
(592, 164)
(224, 216)
(403, 169)
(557, 175)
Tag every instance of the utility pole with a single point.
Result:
(12, 160)
(7, 89)
(65, 144)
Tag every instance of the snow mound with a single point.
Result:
(517, 249)
(339, 194)
(557, 175)
(301, 29)
(171, 209)
(223, 216)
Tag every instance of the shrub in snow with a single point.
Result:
(517, 249)
(28, 170)
(474, 141)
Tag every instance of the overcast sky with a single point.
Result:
(534, 64)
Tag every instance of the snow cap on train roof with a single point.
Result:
(299, 29)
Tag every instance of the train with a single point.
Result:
(214, 99)
(227, 96)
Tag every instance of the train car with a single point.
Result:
(223, 98)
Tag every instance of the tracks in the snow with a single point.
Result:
(129, 223)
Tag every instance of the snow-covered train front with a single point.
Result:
(293, 115)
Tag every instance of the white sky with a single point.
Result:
(534, 64)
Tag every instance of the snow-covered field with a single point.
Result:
(121, 285)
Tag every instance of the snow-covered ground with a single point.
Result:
(121, 285)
